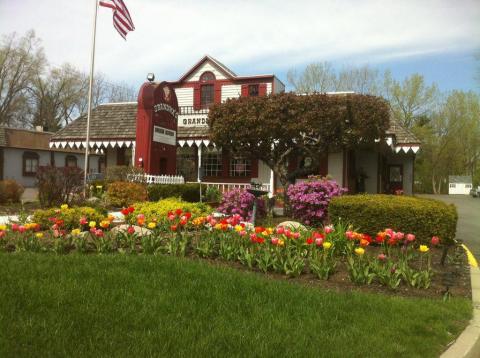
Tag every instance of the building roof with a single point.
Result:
(108, 121)
(460, 179)
(117, 121)
(24, 138)
(402, 134)
(220, 66)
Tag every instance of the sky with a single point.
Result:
(436, 38)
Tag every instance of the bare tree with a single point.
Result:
(20, 60)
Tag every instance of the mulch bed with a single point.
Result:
(340, 281)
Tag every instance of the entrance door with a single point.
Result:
(395, 178)
(163, 166)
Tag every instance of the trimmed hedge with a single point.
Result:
(371, 213)
(187, 192)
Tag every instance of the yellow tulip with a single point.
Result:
(327, 245)
(92, 224)
(76, 232)
(39, 235)
(238, 228)
(152, 225)
(359, 251)
(281, 242)
(64, 206)
(424, 248)
(3, 227)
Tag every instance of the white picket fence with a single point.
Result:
(224, 187)
(156, 179)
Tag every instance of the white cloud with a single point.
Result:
(253, 36)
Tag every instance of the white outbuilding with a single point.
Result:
(459, 184)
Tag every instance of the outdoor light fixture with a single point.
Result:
(151, 77)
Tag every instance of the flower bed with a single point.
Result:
(391, 259)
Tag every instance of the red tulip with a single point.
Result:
(173, 227)
(435, 240)
(125, 212)
(310, 241)
(178, 212)
(382, 257)
(131, 209)
(131, 230)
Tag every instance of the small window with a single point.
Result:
(30, 163)
(240, 167)
(468, 186)
(253, 90)
(71, 161)
(452, 185)
(212, 162)
(207, 77)
(206, 95)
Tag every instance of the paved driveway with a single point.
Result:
(468, 226)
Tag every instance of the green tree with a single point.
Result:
(410, 99)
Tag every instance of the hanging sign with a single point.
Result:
(164, 135)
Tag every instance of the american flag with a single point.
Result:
(121, 17)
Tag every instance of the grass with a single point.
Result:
(163, 306)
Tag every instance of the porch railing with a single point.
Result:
(156, 179)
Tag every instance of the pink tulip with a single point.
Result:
(141, 217)
(83, 221)
(14, 227)
(296, 235)
(99, 233)
(435, 240)
(390, 232)
(131, 230)
(280, 230)
(349, 234)
(171, 217)
(22, 229)
(319, 241)
(382, 257)
(410, 237)
(399, 235)
(274, 240)
(328, 229)
(2, 233)
(242, 233)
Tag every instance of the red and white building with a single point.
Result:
(144, 133)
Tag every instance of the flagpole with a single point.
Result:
(90, 90)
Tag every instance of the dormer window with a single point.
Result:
(207, 77)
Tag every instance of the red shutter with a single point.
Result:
(244, 90)
(323, 165)
(218, 93)
(196, 97)
(262, 89)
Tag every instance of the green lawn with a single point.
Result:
(162, 306)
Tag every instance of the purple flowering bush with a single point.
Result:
(240, 201)
(309, 200)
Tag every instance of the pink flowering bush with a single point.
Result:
(309, 200)
(240, 201)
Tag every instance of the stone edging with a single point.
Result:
(467, 344)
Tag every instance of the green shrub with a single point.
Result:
(373, 213)
(70, 216)
(121, 172)
(122, 193)
(10, 191)
(187, 192)
(159, 210)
